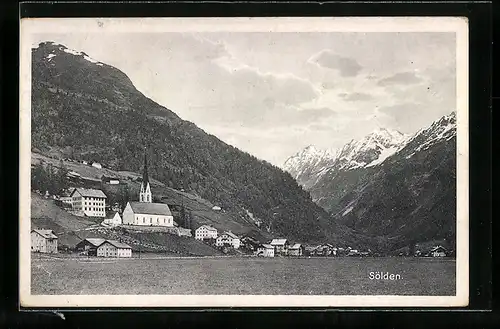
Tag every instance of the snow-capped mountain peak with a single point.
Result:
(442, 129)
(72, 52)
(309, 157)
(372, 149)
(309, 164)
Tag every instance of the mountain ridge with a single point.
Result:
(310, 164)
(404, 196)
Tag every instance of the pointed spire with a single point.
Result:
(145, 177)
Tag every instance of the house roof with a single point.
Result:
(117, 244)
(311, 248)
(296, 246)
(208, 227)
(232, 235)
(47, 234)
(267, 246)
(150, 208)
(278, 242)
(88, 192)
(438, 248)
(96, 242)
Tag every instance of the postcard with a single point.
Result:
(244, 162)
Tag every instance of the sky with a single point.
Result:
(273, 94)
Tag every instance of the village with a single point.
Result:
(146, 214)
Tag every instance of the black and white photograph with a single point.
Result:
(244, 162)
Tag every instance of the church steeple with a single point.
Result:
(145, 194)
(145, 178)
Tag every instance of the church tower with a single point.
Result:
(145, 194)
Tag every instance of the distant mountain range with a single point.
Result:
(85, 109)
(388, 186)
(310, 164)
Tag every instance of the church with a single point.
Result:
(145, 212)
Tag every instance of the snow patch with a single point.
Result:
(78, 53)
(384, 154)
(71, 51)
(348, 210)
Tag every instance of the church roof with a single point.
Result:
(151, 208)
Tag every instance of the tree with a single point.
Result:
(123, 196)
(183, 217)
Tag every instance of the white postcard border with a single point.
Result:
(347, 24)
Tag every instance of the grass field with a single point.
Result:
(236, 276)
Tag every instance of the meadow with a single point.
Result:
(242, 276)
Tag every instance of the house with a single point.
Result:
(205, 232)
(113, 219)
(145, 212)
(89, 246)
(96, 165)
(323, 250)
(280, 246)
(438, 251)
(296, 250)
(217, 208)
(89, 202)
(73, 174)
(353, 252)
(116, 207)
(110, 180)
(43, 241)
(112, 248)
(310, 250)
(249, 243)
(66, 199)
(228, 238)
(265, 250)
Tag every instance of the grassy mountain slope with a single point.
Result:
(71, 229)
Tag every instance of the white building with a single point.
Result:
(112, 248)
(146, 212)
(228, 238)
(216, 208)
(96, 165)
(205, 232)
(114, 220)
(265, 250)
(296, 250)
(43, 241)
(280, 245)
(438, 251)
(89, 202)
